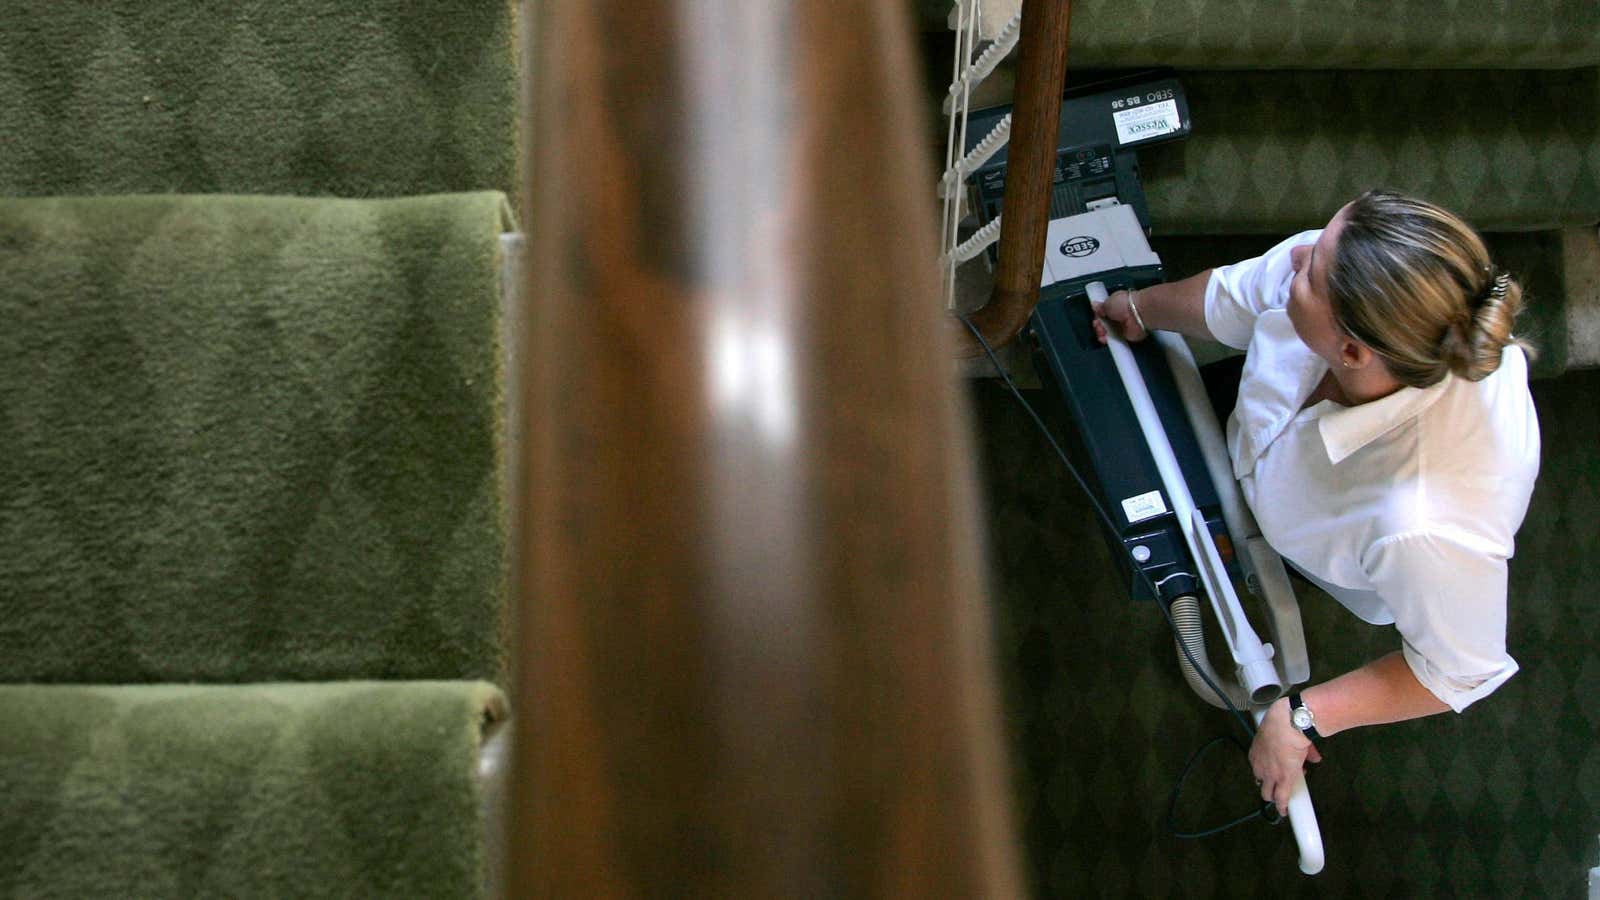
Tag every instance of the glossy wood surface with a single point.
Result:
(752, 653)
(1030, 165)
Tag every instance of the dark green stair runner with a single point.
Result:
(250, 439)
(361, 98)
(350, 789)
(1274, 152)
(1323, 34)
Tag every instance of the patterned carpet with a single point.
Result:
(1273, 152)
(1323, 34)
(250, 438)
(353, 789)
(373, 98)
(1501, 801)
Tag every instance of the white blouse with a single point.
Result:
(1403, 508)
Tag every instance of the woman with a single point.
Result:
(1384, 437)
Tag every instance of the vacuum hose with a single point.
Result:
(1186, 617)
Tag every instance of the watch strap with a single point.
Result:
(1296, 703)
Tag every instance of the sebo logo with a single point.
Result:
(1079, 246)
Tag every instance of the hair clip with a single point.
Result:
(1498, 291)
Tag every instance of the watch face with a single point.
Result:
(1301, 718)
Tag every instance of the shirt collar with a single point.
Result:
(1346, 429)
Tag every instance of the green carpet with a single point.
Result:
(356, 789)
(361, 98)
(1273, 152)
(1501, 801)
(1330, 34)
(250, 439)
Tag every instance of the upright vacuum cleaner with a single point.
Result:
(1159, 460)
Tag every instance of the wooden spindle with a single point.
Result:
(1030, 166)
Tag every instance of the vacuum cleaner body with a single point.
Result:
(1160, 465)
(1103, 126)
(1099, 218)
(1107, 245)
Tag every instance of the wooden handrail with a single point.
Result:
(1030, 166)
(751, 652)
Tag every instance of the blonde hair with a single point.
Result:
(1415, 283)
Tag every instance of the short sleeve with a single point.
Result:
(1237, 294)
(1448, 595)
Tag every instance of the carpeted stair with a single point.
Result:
(1277, 151)
(336, 789)
(1316, 34)
(250, 438)
(252, 523)
(353, 98)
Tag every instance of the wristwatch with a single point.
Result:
(1300, 717)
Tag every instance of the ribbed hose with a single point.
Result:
(1191, 632)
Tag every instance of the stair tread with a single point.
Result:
(250, 438)
(262, 790)
(1331, 34)
(308, 97)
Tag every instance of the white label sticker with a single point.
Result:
(1144, 506)
(1151, 120)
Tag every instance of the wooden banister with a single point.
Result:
(1030, 166)
(751, 652)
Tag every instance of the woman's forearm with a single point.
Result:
(1384, 690)
(1177, 306)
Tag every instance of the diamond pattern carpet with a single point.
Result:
(1325, 34)
(1501, 801)
(1274, 152)
(363, 98)
(250, 439)
(357, 789)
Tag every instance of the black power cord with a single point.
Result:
(1268, 811)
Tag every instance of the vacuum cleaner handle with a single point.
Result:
(1302, 820)
(1257, 673)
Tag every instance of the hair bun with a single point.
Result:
(1472, 347)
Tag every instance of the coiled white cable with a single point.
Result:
(991, 144)
(980, 241)
(967, 14)
(985, 64)
(965, 17)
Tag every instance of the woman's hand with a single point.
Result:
(1279, 754)
(1118, 309)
